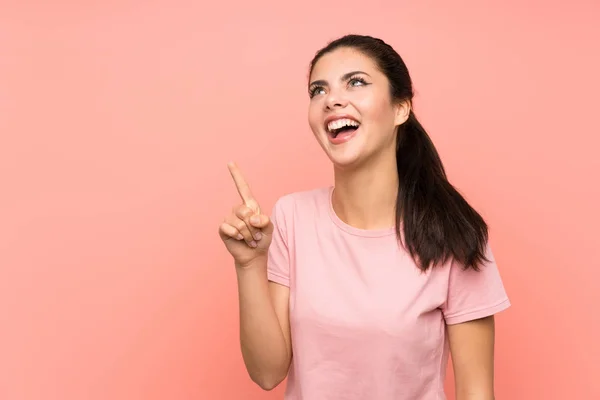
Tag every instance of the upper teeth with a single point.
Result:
(340, 123)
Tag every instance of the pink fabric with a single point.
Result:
(366, 323)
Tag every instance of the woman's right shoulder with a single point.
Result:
(302, 202)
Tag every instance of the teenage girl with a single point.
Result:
(361, 290)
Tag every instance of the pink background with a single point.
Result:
(117, 120)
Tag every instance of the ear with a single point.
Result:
(402, 112)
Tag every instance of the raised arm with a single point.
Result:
(264, 320)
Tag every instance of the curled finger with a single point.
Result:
(246, 214)
(242, 228)
(230, 231)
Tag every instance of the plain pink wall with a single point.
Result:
(117, 120)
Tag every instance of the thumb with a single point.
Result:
(263, 223)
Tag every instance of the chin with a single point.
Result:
(344, 160)
(342, 156)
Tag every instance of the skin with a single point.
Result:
(264, 318)
(366, 180)
(472, 349)
(365, 174)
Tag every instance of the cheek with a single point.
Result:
(378, 111)
(314, 118)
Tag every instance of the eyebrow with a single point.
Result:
(344, 78)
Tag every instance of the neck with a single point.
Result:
(365, 197)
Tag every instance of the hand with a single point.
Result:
(246, 232)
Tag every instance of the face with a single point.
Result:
(351, 112)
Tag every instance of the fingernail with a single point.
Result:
(239, 236)
(253, 244)
(255, 220)
(258, 236)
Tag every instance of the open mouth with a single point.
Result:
(342, 127)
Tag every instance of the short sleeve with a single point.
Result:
(278, 265)
(474, 294)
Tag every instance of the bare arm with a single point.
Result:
(472, 349)
(264, 326)
(264, 320)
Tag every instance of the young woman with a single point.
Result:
(361, 290)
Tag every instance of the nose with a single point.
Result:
(335, 99)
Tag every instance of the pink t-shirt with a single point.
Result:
(365, 322)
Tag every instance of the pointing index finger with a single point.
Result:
(242, 187)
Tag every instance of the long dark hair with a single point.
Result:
(433, 221)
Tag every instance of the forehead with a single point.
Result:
(339, 62)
